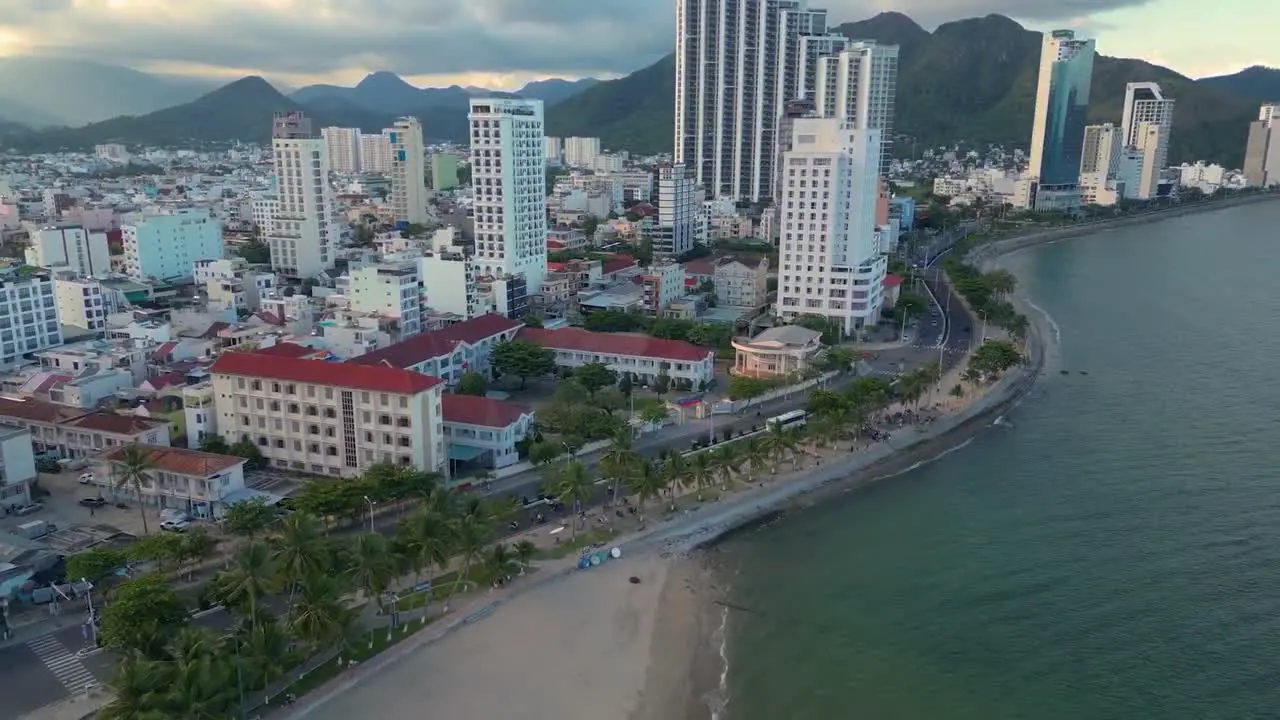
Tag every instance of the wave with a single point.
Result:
(719, 698)
(1057, 331)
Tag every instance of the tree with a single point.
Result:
(132, 470)
(742, 387)
(214, 444)
(300, 550)
(525, 550)
(626, 384)
(572, 483)
(317, 614)
(472, 383)
(654, 412)
(250, 452)
(375, 565)
(158, 549)
(541, 453)
(610, 400)
(830, 329)
(255, 251)
(95, 565)
(646, 483)
(472, 535)
(594, 376)
(250, 577)
(523, 359)
(662, 383)
(248, 518)
(498, 562)
(531, 321)
(701, 470)
(143, 616)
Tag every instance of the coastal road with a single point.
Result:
(46, 669)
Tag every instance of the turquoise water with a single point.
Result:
(1113, 553)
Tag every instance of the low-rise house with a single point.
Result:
(483, 430)
(197, 483)
(73, 433)
(778, 351)
(644, 357)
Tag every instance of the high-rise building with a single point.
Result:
(71, 247)
(508, 174)
(1057, 135)
(831, 262)
(580, 151)
(792, 110)
(810, 51)
(1100, 164)
(30, 310)
(375, 153)
(555, 150)
(859, 84)
(303, 236)
(800, 32)
(1262, 153)
(408, 172)
(344, 148)
(1144, 102)
(679, 224)
(727, 81)
(444, 171)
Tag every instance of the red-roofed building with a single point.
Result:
(643, 356)
(892, 285)
(73, 433)
(289, 350)
(329, 418)
(446, 354)
(197, 483)
(484, 431)
(617, 265)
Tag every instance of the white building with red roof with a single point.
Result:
(448, 353)
(329, 418)
(197, 483)
(644, 357)
(484, 431)
(72, 432)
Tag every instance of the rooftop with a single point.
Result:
(482, 411)
(180, 461)
(580, 340)
(439, 343)
(321, 372)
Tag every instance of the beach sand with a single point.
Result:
(579, 647)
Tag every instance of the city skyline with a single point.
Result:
(502, 45)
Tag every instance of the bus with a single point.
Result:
(795, 418)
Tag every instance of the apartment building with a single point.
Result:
(508, 175)
(165, 245)
(375, 153)
(1145, 102)
(408, 172)
(232, 282)
(832, 265)
(680, 223)
(83, 304)
(70, 247)
(484, 431)
(741, 282)
(71, 432)
(199, 484)
(343, 145)
(554, 150)
(1262, 152)
(329, 418)
(449, 282)
(28, 313)
(661, 285)
(389, 290)
(444, 171)
(579, 152)
(859, 85)
(447, 353)
(644, 357)
(303, 236)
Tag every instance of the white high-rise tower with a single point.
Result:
(508, 174)
(859, 84)
(302, 236)
(831, 262)
(408, 171)
(344, 148)
(1145, 103)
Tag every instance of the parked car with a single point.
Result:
(93, 502)
(174, 526)
(28, 509)
(86, 478)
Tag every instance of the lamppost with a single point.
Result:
(370, 503)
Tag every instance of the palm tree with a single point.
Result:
(263, 653)
(137, 685)
(202, 684)
(301, 550)
(780, 442)
(573, 484)
(317, 614)
(525, 551)
(756, 454)
(674, 470)
(374, 565)
(248, 579)
(617, 461)
(132, 469)
(472, 536)
(701, 471)
(646, 483)
(727, 460)
(499, 560)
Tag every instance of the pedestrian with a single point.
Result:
(91, 512)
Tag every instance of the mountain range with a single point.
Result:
(972, 80)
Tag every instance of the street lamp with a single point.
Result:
(93, 628)
(370, 503)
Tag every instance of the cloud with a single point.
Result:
(316, 38)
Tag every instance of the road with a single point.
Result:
(45, 669)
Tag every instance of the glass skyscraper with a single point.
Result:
(1062, 104)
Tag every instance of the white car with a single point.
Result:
(174, 526)
(86, 478)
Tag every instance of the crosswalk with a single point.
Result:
(63, 663)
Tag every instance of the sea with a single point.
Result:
(1110, 550)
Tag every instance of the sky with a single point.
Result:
(502, 44)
